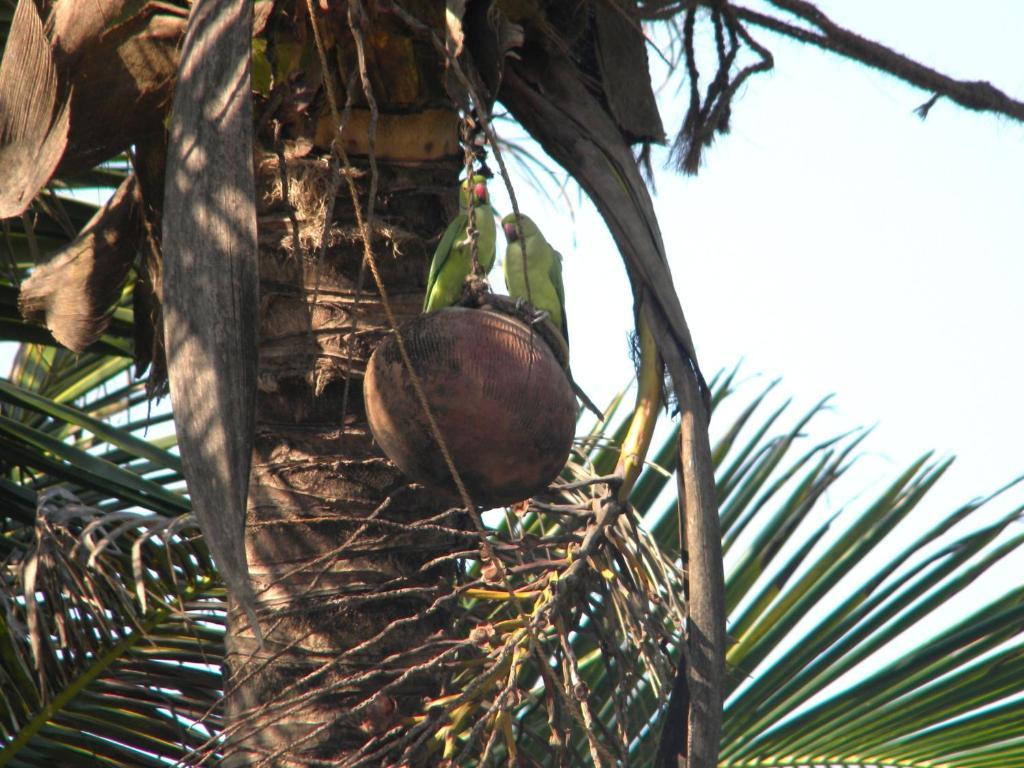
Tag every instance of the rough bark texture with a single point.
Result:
(345, 602)
(317, 479)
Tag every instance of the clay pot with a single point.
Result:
(501, 401)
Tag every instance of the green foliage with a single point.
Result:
(114, 618)
(115, 656)
(112, 634)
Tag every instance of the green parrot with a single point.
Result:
(453, 259)
(543, 266)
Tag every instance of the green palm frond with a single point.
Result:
(947, 701)
(79, 420)
(113, 622)
(590, 680)
(802, 696)
(76, 432)
(112, 639)
(99, 449)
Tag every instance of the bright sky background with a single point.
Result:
(837, 240)
(840, 242)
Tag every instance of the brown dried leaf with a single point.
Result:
(150, 160)
(260, 15)
(455, 37)
(210, 285)
(120, 59)
(625, 75)
(73, 294)
(76, 25)
(577, 131)
(33, 123)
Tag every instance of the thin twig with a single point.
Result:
(976, 95)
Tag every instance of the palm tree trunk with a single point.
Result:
(345, 600)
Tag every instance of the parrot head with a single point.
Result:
(477, 186)
(526, 227)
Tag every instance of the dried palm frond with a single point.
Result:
(113, 637)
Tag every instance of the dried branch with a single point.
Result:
(820, 30)
(976, 95)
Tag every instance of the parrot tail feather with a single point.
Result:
(586, 400)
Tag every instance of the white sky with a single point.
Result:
(837, 240)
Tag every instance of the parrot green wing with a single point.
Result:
(556, 279)
(486, 236)
(441, 253)
(511, 258)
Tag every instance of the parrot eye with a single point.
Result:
(510, 231)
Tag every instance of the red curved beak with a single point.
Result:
(511, 234)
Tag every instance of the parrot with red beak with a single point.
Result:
(533, 270)
(453, 258)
